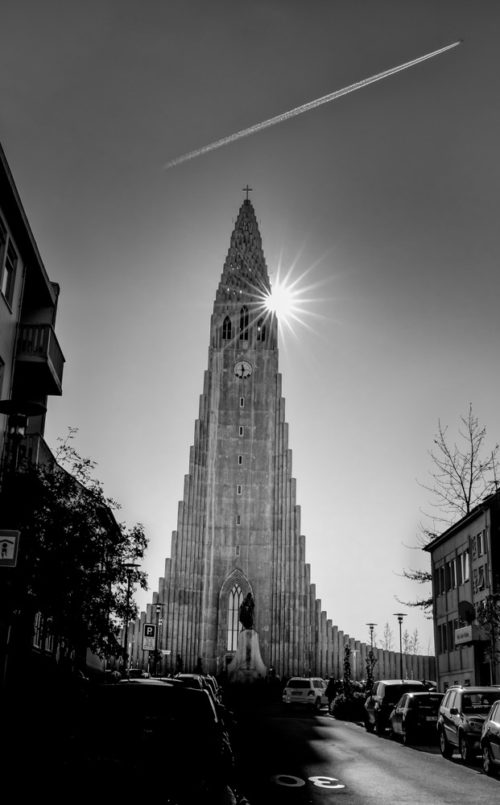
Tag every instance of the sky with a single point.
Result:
(382, 205)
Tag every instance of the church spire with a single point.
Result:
(244, 277)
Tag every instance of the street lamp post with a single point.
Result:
(129, 567)
(400, 616)
(158, 613)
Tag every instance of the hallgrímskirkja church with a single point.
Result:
(238, 528)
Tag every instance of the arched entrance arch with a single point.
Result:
(233, 591)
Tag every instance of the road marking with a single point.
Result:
(288, 781)
(320, 781)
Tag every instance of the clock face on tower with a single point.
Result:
(242, 369)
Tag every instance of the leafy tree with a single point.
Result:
(462, 473)
(75, 558)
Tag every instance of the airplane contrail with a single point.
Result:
(332, 96)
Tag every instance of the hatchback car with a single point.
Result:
(382, 701)
(461, 717)
(415, 716)
(490, 739)
(306, 691)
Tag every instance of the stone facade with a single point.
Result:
(238, 528)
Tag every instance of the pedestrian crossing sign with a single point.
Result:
(9, 547)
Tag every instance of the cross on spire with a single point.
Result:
(247, 190)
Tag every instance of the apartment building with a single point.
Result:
(465, 562)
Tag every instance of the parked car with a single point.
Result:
(490, 739)
(462, 714)
(305, 691)
(167, 736)
(415, 716)
(386, 693)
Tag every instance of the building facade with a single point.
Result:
(239, 528)
(465, 563)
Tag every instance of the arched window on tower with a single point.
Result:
(235, 600)
(226, 329)
(261, 330)
(244, 323)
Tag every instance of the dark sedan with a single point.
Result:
(415, 716)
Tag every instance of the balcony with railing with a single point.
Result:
(39, 360)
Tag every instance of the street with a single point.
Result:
(292, 758)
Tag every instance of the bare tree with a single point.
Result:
(463, 472)
(387, 638)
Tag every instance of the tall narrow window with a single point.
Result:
(241, 430)
(226, 329)
(261, 330)
(244, 323)
(8, 264)
(238, 489)
(233, 617)
(240, 459)
(242, 402)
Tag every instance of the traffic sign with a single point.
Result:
(9, 547)
(149, 637)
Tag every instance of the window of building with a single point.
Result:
(240, 430)
(2, 369)
(481, 577)
(464, 566)
(240, 459)
(226, 328)
(244, 323)
(8, 265)
(450, 575)
(481, 548)
(238, 489)
(242, 402)
(233, 619)
(238, 519)
(261, 330)
(37, 630)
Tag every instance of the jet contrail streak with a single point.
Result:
(332, 96)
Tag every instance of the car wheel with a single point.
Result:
(408, 738)
(464, 749)
(488, 765)
(444, 746)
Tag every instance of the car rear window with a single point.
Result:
(393, 693)
(479, 702)
(299, 683)
(424, 702)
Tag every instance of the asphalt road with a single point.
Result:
(293, 758)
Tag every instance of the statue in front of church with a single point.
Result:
(246, 612)
(247, 665)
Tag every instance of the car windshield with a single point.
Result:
(479, 702)
(298, 683)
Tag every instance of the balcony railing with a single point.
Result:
(38, 345)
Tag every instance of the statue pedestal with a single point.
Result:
(246, 665)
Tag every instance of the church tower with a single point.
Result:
(238, 525)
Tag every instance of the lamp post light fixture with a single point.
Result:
(371, 627)
(128, 567)
(400, 616)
